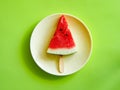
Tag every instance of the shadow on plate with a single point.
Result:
(28, 60)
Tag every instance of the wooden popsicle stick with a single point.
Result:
(61, 65)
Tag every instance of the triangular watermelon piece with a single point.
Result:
(62, 42)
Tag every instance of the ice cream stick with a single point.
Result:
(61, 65)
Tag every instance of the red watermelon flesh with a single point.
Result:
(62, 42)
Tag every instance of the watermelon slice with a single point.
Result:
(62, 42)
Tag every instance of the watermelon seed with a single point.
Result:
(60, 29)
(66, 34)
(54, 34)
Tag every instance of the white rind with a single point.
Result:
(62, 51)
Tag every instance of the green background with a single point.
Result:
(17, 68)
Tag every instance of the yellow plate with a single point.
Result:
(40, 39)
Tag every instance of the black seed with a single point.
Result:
(60, 29)
(66, 34)
(54, 34)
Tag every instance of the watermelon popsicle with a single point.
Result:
(62, 42)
